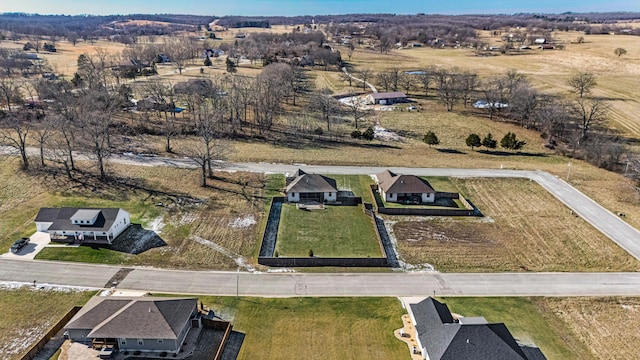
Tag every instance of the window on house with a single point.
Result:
(140, 342)
(123, 341)
(160, 341)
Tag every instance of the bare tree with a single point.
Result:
(365, 75)
(15, 127)
(582, 83)
(161, 93)
(590, 113)
(323, 102)
(10, 90)
(357, 109)
(425, 78)
(448, 87)
(42, 131)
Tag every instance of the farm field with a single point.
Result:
(335, 231)
(525, 229)
(27, 314)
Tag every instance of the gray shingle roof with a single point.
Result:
(388, 95)
(311, 183)
(408, 184)
(142, 318)
(445, 339)
(61, 218)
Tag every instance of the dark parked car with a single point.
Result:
(19, 244)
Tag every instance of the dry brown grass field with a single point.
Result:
(28, 314)
(228, 216)
(605, 325)
(526, 229)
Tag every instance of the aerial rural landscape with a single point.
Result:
(255, 183)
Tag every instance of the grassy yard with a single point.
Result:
(359, 184)
(525, 229)
(27, 314)
(336, 231)
(529, 320)
(314, 328)
(226, 212)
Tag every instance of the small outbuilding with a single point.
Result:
(404, 188)
(386, 98)
(305, 187)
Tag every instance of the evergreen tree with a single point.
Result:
(431, 139)
(489, 142)
(510, 142)
(231, 66)
(473, 140)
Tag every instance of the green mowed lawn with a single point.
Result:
(314, 328)
(85, 254)
(529, 320)
(359, 184)
(336, 231)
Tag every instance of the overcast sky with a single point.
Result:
(309, 7)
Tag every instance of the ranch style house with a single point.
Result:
(85, 225)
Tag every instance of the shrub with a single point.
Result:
(310, 252)
(318, 131)
(356, 134)
(430, 138)
(368, 134)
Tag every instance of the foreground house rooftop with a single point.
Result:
(444, 338)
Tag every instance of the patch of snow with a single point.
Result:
(383, 134)
(19, 339)
(188, 218)
(281, 270)
(157, 225)
(238, 259)
(629, 307)
(14, 285)
(243, 223)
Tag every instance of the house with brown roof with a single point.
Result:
(404, 188)
(89, 225)
(305, 187)
(385, 98)
(142, 324)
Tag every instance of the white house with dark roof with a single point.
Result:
(87, 225)
(135, 323)
(441, 337)
(404, 188)
(311, 187)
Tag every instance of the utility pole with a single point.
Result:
(569, 171)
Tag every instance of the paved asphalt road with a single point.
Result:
(330, 284)
(386, 284)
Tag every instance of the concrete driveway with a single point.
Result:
(37, 242)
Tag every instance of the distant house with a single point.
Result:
(404, 188)
(142, 324)
(305, 187)
(441, 337)
(88, 225)
(150, 103)
(386, 98)
(540, 41)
